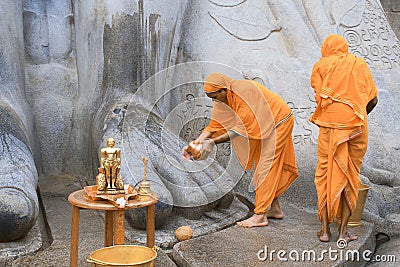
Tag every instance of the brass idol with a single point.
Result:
(109, 180)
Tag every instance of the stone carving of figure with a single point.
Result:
(110, 168)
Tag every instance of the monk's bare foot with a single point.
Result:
(275, 214)
(324, 236)
(256, 220)
(348, 237)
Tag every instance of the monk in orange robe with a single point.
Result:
(259, 124)
(345, 93)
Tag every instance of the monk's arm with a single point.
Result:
(373, 91)
(371, 104)
(204, 135)
(316, 80)
(224, 137)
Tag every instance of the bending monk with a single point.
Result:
(259, 124)
(345, 93)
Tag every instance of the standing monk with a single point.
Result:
(345, 93)
(260, 125)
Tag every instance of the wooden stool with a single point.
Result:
(114, 231)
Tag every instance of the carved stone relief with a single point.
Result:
(372, 38)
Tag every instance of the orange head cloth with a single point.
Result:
(215, 82)
(334, 44)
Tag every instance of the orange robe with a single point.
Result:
(263, 123)
(343, 87)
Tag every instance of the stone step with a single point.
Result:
(291, 241)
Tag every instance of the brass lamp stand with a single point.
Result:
(144, 186)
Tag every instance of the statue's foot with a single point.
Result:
(162, 209)
(256, 220)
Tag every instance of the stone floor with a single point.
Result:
(288, 242)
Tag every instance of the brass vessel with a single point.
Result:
(356, 216)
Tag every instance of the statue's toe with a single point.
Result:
(17, 214)
(163, 209)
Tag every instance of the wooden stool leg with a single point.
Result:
(150, 225)
(108, 228)
(119, 231)
(73, 256)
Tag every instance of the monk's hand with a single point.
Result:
(185, 154)
(195, 149)
(191, 151)
(206, 148)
